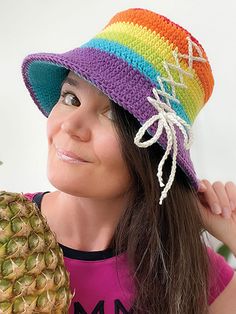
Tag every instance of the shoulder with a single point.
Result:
(220, 274)
(222, 282)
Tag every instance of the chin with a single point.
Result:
(63, 184)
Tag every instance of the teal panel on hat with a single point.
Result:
(45, 80)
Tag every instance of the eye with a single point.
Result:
(70, 99)
(108, 113)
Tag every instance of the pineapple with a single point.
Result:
(33, 278)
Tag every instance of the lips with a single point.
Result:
(68, 156)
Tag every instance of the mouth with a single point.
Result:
(69, 156)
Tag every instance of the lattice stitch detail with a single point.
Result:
(167, 117)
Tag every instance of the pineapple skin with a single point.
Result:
(33, 278)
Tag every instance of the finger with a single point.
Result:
(206, 214)
(201, 186)
(223, 198)
(212, 223)
(231, 192)
(211, 198)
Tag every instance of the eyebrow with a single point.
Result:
(75, 83)
(70, 81)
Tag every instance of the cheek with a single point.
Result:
(108, 148)
(109, 153)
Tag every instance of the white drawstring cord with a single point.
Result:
(167, 117)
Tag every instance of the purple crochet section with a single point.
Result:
(119, 81)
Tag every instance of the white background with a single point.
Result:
(28, 26)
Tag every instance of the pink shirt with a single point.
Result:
(102, 282)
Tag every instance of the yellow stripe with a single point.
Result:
(155, 49)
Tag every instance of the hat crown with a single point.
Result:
(160, 49)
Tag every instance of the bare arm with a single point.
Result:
(219, 211)
(226, 301)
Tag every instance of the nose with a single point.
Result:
(76, 125)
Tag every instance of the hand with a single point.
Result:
(218, 211)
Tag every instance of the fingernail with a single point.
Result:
(201, 187)
(216, 208)
(232, 205)
(226, 212)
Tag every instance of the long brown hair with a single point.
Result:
(163, 243)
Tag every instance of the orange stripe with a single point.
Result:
(164, 27)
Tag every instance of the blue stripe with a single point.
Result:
(138, 63)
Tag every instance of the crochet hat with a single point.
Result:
(147, 64)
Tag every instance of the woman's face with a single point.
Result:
(84, 154)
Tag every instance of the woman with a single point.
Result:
(126, 209)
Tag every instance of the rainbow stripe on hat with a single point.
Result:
(144, 41)
(137, 54)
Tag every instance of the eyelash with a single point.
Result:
(65, 93)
